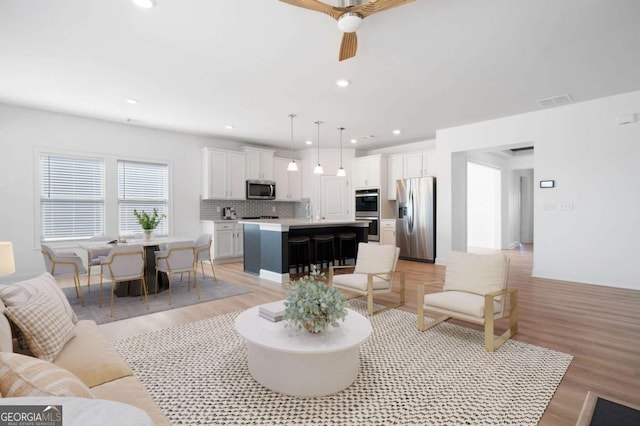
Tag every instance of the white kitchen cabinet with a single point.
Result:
(227, 239)
(259, 163)
(405, 166)
(288, 184)
(395, 171)
(388, 231)
(367, 171)
(223, 175)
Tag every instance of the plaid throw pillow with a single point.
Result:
(44, 324)
(22, 375)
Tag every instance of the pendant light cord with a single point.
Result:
(292, 117)
(319, 123)
(341, 129)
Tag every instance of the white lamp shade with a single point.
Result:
(292, 167)
(317, 170)
(341, 172)
(7, 262)
(349, 22)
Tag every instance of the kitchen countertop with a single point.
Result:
(283, 225)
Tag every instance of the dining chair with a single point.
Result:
(177, 258)
(474, 290)
(64, 264)
(373, 274)
(123, 263)
(202, 247)
(94, 254)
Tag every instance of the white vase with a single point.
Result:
(147, 234)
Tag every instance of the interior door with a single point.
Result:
(335, 202)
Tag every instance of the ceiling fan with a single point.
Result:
(349, 15)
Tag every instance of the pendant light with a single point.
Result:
(292, 167)
(317, 170)
(341, 172)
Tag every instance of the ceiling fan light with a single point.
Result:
(292, 167)
(317, 170)
(350, 22)
(341, 172)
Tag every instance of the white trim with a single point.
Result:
(274, 276)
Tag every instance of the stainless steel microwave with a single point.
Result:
(261, 190)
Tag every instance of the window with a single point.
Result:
(71, 197)
(141, 186)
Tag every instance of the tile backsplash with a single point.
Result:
(209, 208)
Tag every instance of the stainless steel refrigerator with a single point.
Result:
(416, 218)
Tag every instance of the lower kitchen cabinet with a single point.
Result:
(388, 231)
(227, 239)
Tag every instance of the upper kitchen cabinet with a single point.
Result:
(288, 184)
(259, 163)
(405, 166)
(367, 171)
(223, 174)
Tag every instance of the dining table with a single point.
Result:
(151, 245)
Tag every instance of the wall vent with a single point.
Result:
(554, 101)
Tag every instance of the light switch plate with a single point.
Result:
(565, 206)
(549, 206)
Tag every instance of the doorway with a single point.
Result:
(484, 219)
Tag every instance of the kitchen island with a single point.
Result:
(266, 248)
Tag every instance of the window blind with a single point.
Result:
(141, 186)
(71, 197)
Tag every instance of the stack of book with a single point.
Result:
(272, 311)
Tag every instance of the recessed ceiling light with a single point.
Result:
(131, 101)
(342, 82)
(145, 4)
(396, 132)
(309, 143)
(229, 126)
(354, 141)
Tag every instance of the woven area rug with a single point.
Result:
(198, 374)
(128, 307)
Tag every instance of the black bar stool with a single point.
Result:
(300, 251)
(347, 247)
(323, 249)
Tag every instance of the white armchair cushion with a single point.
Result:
(459, 301)
(374, 258)
(475, 273)
(359, 282)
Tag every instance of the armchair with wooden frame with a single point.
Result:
(373, 274)
(202, 247)
(475, 290)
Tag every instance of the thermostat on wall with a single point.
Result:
(547, 183)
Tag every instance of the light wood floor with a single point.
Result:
(599, 326)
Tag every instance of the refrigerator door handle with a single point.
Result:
(412, 212)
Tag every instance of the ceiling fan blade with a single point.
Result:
(349, 46)
(375, 6)
(316, 5)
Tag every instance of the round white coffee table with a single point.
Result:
(299, 363)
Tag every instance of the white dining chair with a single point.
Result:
(202, 247)
(94, 254)
(177, 258)
(123, 263)
(64, 264)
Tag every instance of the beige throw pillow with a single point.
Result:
(22, 375)
(18, 293)
(44, 324)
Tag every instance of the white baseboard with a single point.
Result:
(274, 276)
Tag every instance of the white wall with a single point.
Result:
(593, 161)
(25, 131)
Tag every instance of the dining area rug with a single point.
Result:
(133, 306)
(439, 377)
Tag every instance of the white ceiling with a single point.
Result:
(196, 65)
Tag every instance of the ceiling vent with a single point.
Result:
(526, 148)
(554, 101)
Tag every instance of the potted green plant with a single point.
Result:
(147, 221)
(312, 304)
